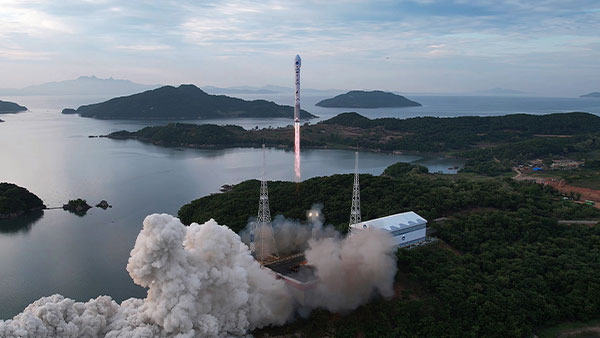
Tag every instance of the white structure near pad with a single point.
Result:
(407, 227)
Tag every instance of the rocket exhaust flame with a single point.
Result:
(297, 151)
(297, 64)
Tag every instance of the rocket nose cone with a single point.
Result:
(298, 61)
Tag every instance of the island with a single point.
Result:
(368, 99)
(565, 144)
(16, 201)
(421, 134)
(502, 264)
(10, 107)
(186, 102)
(592, 94)
(78, 207)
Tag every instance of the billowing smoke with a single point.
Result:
(291, 236)
(201, 280)
(352, 270)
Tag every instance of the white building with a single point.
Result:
(407, 227)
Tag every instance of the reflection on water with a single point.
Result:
(20, 224)
(83, 257)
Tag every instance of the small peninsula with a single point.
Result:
(491, 145)
(186, 102)
(421, 134)
(10, 107)
(368, 99)
(592, 94)
(16, 201)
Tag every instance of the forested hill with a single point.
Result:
(503, 267)
(367, 99)
(16, 201)
(183, 102)
(10, 107)
(423, 134)
(523, 124)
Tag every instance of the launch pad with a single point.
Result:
(297, 275)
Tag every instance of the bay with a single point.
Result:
(84, 257)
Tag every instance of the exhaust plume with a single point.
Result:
(297, 151)
(352, 270)
(201, 280)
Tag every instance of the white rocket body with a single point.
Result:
(297, 103)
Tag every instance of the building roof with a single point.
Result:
(393, 222)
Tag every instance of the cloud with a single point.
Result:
(336, 35)
(21, 54)
(19, 19)
(144, 48)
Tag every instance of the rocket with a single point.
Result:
(297, 64)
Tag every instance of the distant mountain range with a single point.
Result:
(10, 107)
(367, 99)
(83, 85)
(500, 91)
(183, 102)
(592, 94)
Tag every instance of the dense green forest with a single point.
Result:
(183, 102)
(367, 99)
(430, 195)
(503, 267)
(490, 145)
(16, 201)
(423, 134)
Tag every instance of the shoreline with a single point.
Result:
(283, 147)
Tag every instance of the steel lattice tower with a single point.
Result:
(355, 210)
(262, 239)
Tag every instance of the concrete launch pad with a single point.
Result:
(299, 277)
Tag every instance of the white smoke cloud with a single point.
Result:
(201, 280)
(352, 270)
(292, 236)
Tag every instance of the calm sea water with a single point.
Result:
(84, 257)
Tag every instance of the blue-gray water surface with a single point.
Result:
(84, 257)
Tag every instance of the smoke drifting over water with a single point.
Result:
(203, 282)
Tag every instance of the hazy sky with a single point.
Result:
(549, 47)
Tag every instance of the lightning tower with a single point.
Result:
(297, 64)
(355, 210)
(262, 239)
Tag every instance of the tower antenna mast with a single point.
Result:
(262, 239)
(355, 210)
